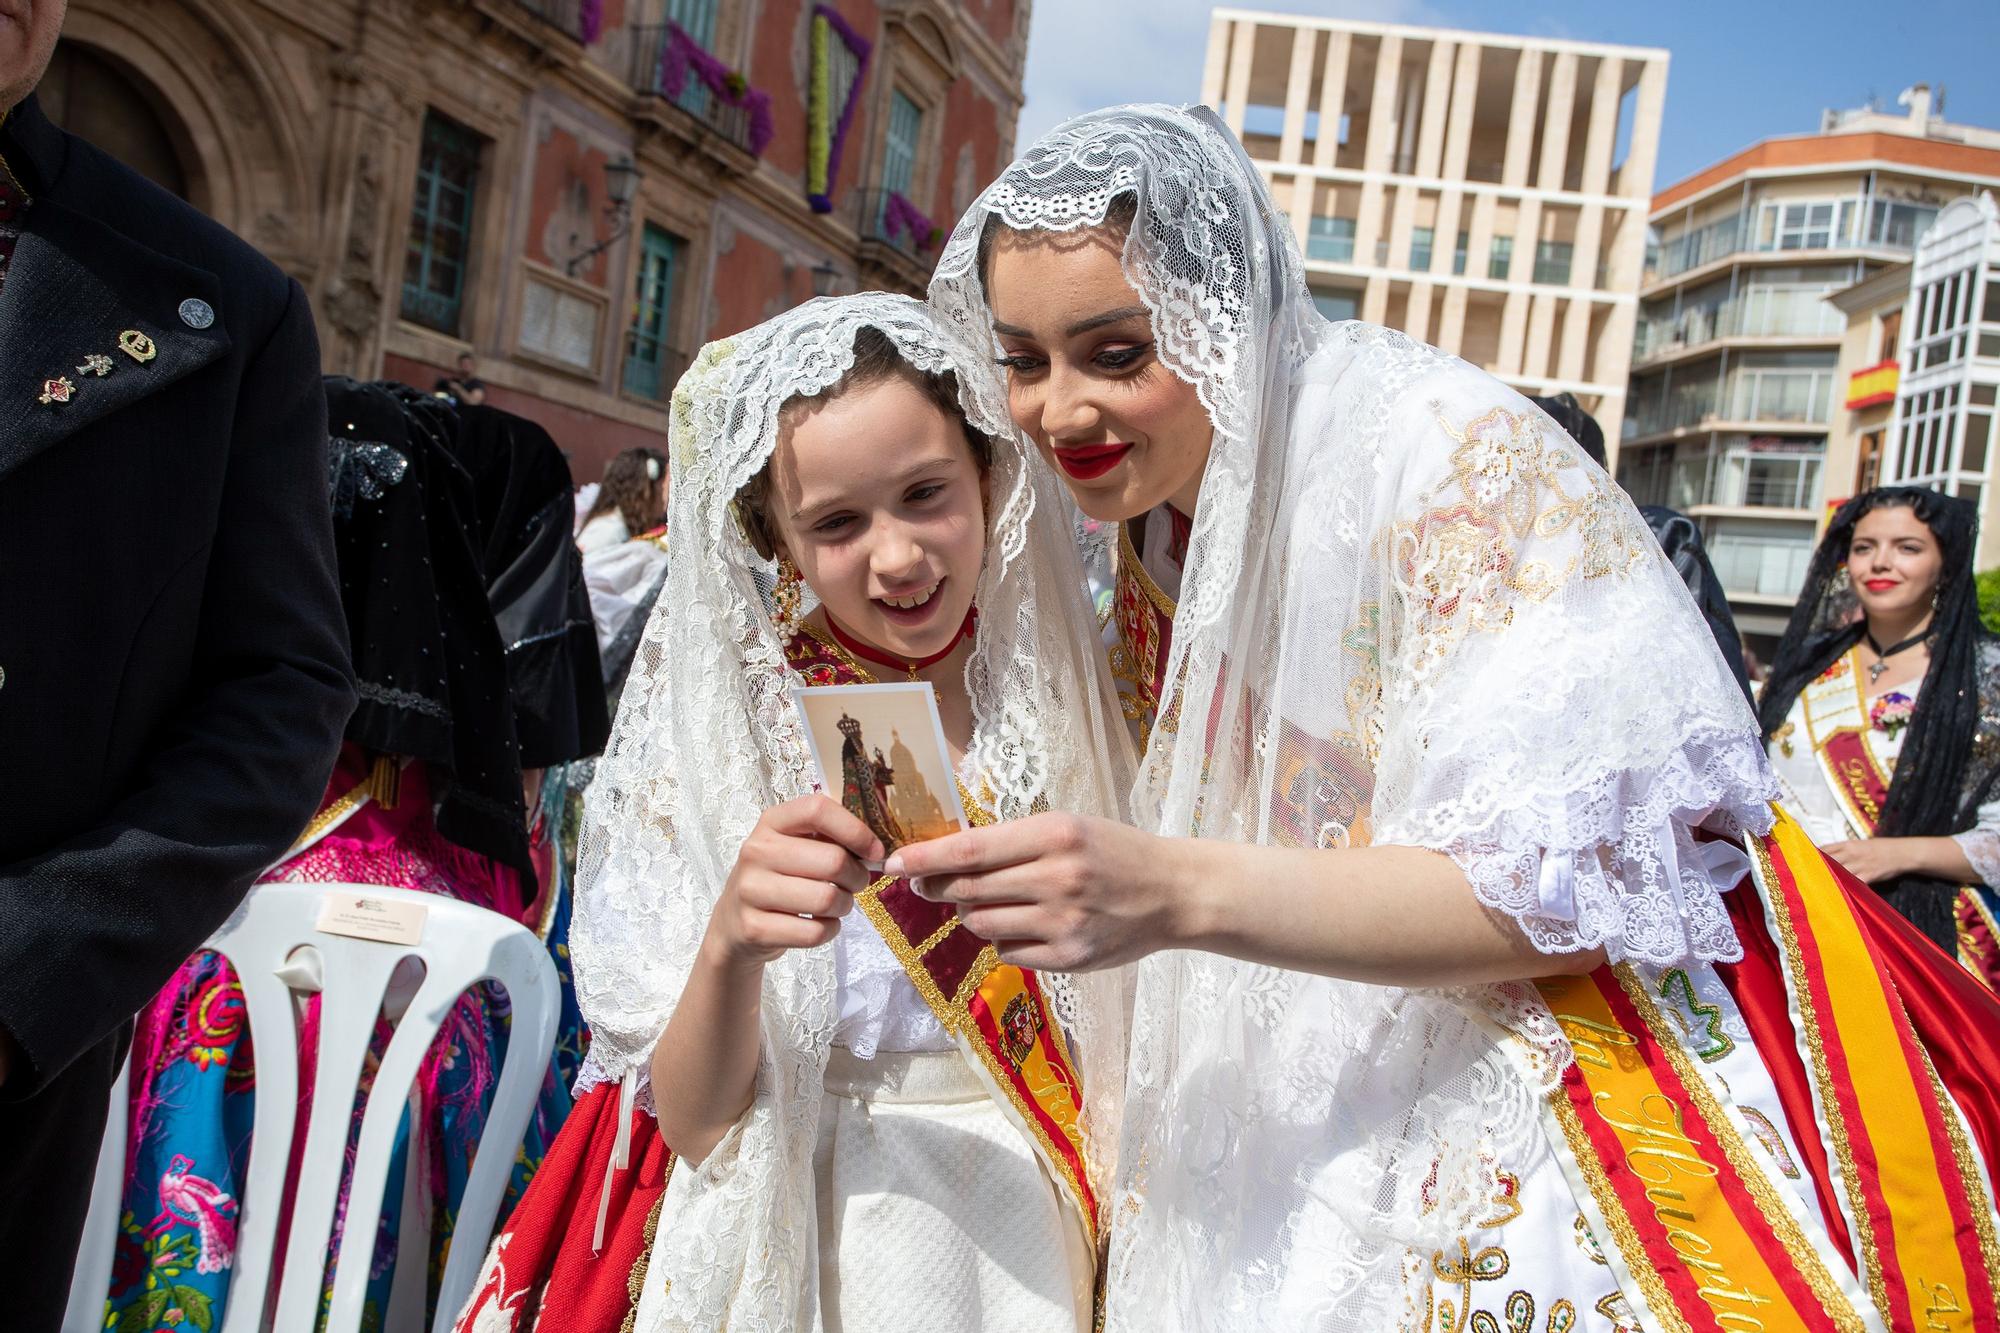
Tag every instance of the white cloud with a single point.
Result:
(1086, 54)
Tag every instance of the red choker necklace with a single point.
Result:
(904, 664)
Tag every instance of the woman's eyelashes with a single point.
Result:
(1114, 359)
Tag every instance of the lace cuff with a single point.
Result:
(1982, 848)
(1615, 865)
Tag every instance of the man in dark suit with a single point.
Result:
(173, 661)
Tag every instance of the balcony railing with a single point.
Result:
(563, 14)
(1761, 566)
(1857, 221)
(880, 222)
(1761, 312)
(649, 44)
(652, 371)
(1777, 396)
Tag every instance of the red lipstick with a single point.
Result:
(1091, 460)
(1878, 585)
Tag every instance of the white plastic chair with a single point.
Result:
(269, 941)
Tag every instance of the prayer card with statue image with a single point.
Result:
(880, 752)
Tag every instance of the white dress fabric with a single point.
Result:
(1412, 611)
(933, 1211)
(606, 530)
(1810, 797)
(707, 739)
(620, 580)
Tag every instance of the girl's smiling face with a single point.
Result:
(877, 498)
(1084, 380)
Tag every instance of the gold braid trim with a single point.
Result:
(1970, 1182)
(384, 776)
(1623, 1234)
(1850, 1176)
(1128, 556)
(636, 1282)
(1783, 1223)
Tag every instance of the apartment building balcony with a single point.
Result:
(1750, 401)
(1761, 317)
(1762, 570)
(899, 246)
(1785, 232)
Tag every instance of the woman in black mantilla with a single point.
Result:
(1882, 714)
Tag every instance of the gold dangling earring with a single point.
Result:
(788, 598)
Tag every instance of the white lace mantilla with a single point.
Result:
(1412, 611)
(707, 739)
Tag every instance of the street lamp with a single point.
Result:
(621, 177)
(824, 275)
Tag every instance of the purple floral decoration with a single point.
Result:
(682, 55)
(861, 48)
(900, 215)
(589, 21)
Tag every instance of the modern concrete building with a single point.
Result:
(1735, 379)
(577, 192)
(1485, 193)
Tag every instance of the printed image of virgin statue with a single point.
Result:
(866, 785)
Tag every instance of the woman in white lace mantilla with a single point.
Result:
(1427, 715)
(881, 1126)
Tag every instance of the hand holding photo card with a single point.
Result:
(880, 751)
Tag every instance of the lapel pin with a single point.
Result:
(196, 313)
(137, 346)
(57, 390)
(97, 363)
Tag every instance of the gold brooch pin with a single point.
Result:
(57, 390)
(97, 363)
(137, 346)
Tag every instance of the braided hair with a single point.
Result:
(1927, 797)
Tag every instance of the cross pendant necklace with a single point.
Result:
(1882, 655)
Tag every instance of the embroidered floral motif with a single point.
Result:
(215, 1020)
(1457, 563)
(1699, 1023)
(1774, 1143)
(1891, 712)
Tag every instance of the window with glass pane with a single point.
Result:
(1804, 226)
(1500, 258)
(1552, 261)
(899, 152)
(440, 224)
(1337, 305)
(1331, 239)
(648, 356)
(1421, 240)
(1458, 254)
(696, 18)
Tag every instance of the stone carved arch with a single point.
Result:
(229, 108)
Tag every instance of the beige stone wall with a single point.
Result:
(1450, 133)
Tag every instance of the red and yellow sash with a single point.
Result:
(1144, 616)
(998, 1013)
(1922, 1221)
(1699, 1234)
(1000, 1017)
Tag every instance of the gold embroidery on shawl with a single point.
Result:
(1458, 563)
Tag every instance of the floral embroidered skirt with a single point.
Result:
(194, 1089)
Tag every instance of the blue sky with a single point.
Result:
(1741, 71)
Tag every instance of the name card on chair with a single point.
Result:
(360, 917)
